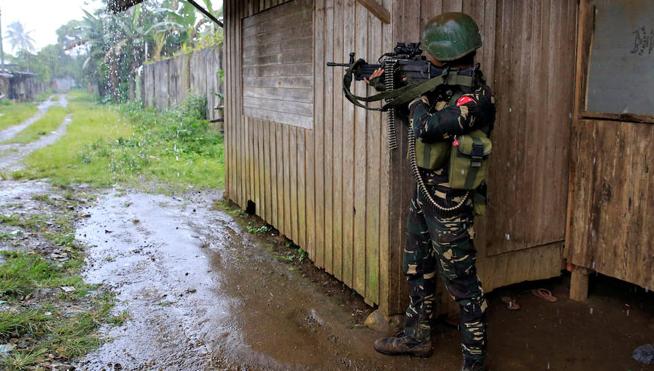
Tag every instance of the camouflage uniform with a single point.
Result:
(443, 242)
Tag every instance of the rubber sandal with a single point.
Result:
(511, 303)
(544, 294)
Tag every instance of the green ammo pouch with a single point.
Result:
(468, 161)
(432, 156)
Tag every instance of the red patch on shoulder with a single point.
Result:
(464, 100)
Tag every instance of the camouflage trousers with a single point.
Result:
(444, 245)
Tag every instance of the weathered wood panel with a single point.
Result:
(613, 203)
(168, 83)
(268, 68)
(319, 178)
(610, 215)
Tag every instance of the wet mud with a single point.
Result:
(203, 294)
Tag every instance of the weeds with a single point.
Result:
(30, 222)
(105, 145)
(258, 229)
(40, 294)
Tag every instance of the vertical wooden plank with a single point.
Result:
(452, 5)
(410, 29)
(292, 161)
(255, 160)
(387, 279)
(238, 109)
(226, 138)
(265, 147)
(328, 136)
(310, 193)
(288, 217)
(232, 99)
(261, 205)
(281, 215)
(232, 104)
(429, 9)
(274, 175)
(361, 15)
(348, 155)
(337, 186)
(373, 174)
(319, 124)
(301, 189)
(233, 117)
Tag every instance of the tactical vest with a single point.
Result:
(466, 156)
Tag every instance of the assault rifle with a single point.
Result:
(407, 75)
(411, 64)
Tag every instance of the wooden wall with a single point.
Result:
(167, 83)
(321, 187)
(613, 203)
(339, 192)
(611, 215)
(278, 64)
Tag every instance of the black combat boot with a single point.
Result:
(403, 344)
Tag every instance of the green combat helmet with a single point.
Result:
(450, 36)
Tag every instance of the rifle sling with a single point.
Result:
(405, 94)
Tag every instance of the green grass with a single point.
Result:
(14, 113)
(65, 161)
(105, 145)
(47, 124)
(46, 325)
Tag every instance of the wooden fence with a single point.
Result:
(167, 83)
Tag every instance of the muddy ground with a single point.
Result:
(203, 293)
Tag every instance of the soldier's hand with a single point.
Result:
(378, 73)
(423, 99)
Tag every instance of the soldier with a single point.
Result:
(440, 233)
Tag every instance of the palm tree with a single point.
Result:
(19, 38)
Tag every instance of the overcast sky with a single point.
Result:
(43, 17)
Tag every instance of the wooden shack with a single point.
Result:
(319, 170)
(612, 184)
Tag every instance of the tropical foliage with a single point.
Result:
(114, 46)
(19, 38)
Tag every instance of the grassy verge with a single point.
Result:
(14, 113)
(64, 162)
(50, 122)
(105, 145)
(48, 314)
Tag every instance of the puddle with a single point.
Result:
(200, 295)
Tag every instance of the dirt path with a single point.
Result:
(42, 109)
(203, 294)
(12, 155)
